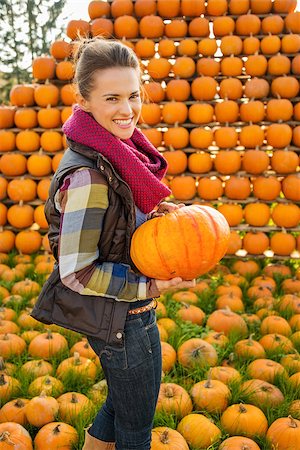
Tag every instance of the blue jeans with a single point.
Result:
(133, 375)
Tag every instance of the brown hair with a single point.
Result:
(96, 54)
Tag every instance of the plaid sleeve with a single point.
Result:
(83, 200)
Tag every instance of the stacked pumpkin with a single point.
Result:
(31, 146)
(221, 83)
(221, 80)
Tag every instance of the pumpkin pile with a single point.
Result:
(230, 352)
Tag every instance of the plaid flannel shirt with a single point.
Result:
(82, 201)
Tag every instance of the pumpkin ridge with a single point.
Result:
(215, 228)
(162, 259)
(181, 230)
(196, 227)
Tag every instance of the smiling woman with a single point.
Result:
(107, 184)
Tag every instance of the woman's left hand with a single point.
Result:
(164, 208)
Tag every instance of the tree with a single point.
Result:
(27, 28)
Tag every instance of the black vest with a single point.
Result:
(102, 317)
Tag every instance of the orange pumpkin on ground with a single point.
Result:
(167, 438)
(284, 433)
(239, 443)
(189, 428)
(174, 399)
(56, 435)
(244, 419)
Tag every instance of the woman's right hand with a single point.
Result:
(174, 283)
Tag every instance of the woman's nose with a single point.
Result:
(126, 107)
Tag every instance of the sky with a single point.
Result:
(76, 9)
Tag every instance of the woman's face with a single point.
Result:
(115, 101)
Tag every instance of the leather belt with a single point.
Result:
(151, 305)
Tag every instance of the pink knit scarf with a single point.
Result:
(136, 160)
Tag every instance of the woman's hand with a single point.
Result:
(174, 283)
(164, 208)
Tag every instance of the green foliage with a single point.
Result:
(26, 27)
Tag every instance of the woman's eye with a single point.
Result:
(111, 99)
(135, 96)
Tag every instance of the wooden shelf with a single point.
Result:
(172, 125)
(242, 78)
(212, 124)
(270, 254)
(241, 173)
(35, 202)
(218, 57)
(226, 200)
(267, 229)
(19, 152)
(35, 226)
(38, 129)
(214, 149)
(196, 38)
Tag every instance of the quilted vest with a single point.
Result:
(101, 317)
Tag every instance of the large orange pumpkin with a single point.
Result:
(284, 433)
(180, 244)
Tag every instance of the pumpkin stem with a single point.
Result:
(231, 357)
(2, 380)
(227, 311)
(74, 398)
(293, 423)
(5, 436)
(266, 388)
(242, 408)
(218, 335)
(164, 437)
(49, 334)
(56, 430)
(77, 360)
(47, 381)
(169, 391)
(19, 403)
(208, 383)
(43, 394)
(250, 340)
(86, 345)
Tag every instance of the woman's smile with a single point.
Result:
(124, 123)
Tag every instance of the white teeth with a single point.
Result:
(123, 122)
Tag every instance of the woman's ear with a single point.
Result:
(83, 103)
